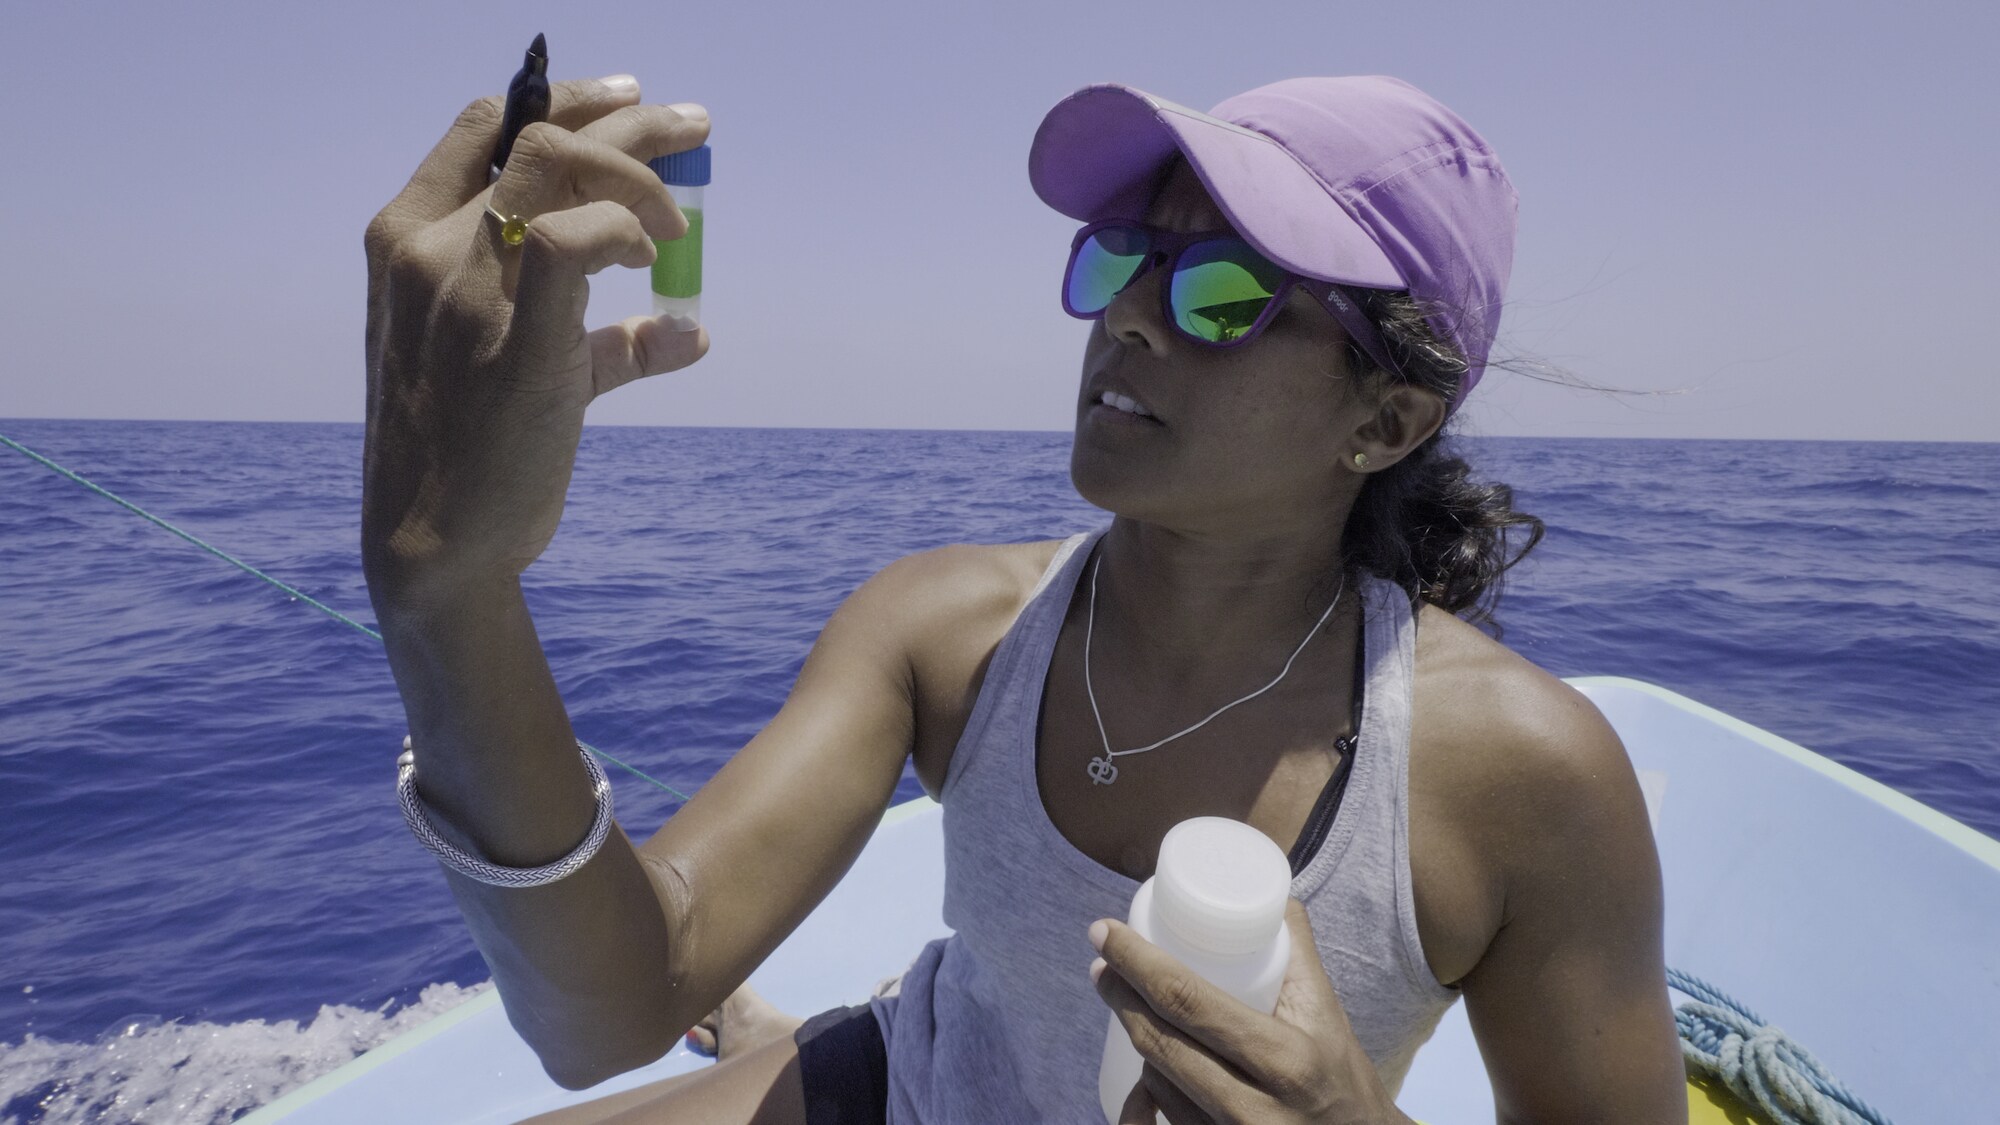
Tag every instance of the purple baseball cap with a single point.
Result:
(1366, 181)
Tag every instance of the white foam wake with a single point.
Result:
(145, 1072)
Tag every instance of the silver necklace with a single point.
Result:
(1104, 771)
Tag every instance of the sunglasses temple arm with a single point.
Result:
(1359, 328)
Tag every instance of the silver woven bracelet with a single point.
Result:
(492, 874)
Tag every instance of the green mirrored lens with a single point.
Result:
(1220, 288)
(1105, 264)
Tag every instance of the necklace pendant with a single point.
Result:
(1103, 771)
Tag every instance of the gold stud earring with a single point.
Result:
(1361, 460)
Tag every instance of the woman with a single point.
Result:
(1275, 470)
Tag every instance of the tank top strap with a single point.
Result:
(1039, 619)
(1373, 801)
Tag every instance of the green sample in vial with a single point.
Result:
(677, 269)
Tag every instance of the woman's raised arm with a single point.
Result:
(479, 370)
(603, 970)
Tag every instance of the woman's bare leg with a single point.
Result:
(744, 1022)
(758, 1087)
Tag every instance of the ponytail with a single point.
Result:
(1424, 522)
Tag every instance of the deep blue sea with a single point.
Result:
(209, 896)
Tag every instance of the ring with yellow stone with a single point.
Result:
(513, 228)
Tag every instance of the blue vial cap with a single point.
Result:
(688, 169)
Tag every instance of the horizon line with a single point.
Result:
(973, 430)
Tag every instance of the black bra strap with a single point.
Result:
(1320, 820)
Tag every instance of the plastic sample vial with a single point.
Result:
(1216, 902)
(677, 270)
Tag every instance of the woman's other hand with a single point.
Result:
(1211, 1058)
(479, 367)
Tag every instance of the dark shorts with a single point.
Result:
(843, 1067)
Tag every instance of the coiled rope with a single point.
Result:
(1721, 1040)
(296, 594)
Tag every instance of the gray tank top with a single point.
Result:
(999, 1021)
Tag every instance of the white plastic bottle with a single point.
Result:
(1216, 902)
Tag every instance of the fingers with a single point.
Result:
(1185, 1063)
(1154, 1098)
(640, 346)
(1307, 997)
(1204, 1013)
(1139, 1108)
(561, 249)
(646, 131)
(590, 203)
(1169, 1100)
(553, 170)
(456, 169)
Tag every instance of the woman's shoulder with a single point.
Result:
(1508, 733)
(943, 609)
(961, 582)
(961, 599)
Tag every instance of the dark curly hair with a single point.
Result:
(1424, 522)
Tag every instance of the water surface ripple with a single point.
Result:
(198, 826)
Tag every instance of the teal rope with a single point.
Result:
(1727, 1042)
(297, 594)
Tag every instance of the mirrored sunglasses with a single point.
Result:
(1220, 291)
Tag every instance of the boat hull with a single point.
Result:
(1862, 922)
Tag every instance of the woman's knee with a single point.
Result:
(759, 1087)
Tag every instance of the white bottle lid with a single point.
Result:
(1220, 885)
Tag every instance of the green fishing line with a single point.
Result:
(295, 593)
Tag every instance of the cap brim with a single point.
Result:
(1099, 151)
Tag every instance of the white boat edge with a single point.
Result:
(1970, 840)
(347, 1072)
(1961, 836)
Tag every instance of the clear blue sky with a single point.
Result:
(1786, 209)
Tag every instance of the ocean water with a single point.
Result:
(211, 898)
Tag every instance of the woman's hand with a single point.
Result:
(479, 368)
(1211, 1058)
